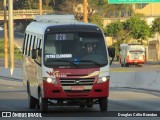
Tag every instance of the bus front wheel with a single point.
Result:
(103, 104)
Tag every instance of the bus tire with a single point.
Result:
(32, 101)
(121, 63)
(43, 103)
(103, 104)
(126, 65)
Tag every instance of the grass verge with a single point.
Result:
(17, 52)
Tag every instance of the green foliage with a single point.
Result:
(17, 52)
(116, 30)
(96, 19)
(138, 28)
(67, 7)
(123, 31)
(31, 4)
(98, 6)
(1, 5)
(133, 28)
(108, 10)
(156, 25)
(113, 29)
(21, 5)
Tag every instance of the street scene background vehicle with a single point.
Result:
(132, 54)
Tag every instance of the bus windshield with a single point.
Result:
(75, 49)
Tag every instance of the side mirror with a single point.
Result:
(111, 52)
(34, 53)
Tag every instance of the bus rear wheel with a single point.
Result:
(32, 101)
(103, 104)
(43, 103)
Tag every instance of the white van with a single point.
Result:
(131, 54)
(56, 68)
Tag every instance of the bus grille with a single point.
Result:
(76, 81)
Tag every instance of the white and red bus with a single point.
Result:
(132, 54)
(56, 68)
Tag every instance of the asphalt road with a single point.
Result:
(13, 97)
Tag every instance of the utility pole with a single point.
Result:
(11, 35)
(40, 7)
(85, 11)
(5, 35)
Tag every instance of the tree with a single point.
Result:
(104, 9)
(121, 10)
(96, 19)
(138, 28)
(47, 4)
(156, 25)
(156, 29)
(68, 7)
(31, 4)
(96, 6)
(114, 28)
(116, 31)
(1, 5)
(19, 4)
(133, 28)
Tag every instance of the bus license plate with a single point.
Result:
(77, 88)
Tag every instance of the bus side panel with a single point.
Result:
(31, 76)
(25, 76)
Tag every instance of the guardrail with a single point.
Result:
(139, 80)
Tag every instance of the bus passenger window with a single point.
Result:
(30, 42)
(26, 45)
(24, 42)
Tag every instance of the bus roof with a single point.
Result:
(40, 23)
(55, 18)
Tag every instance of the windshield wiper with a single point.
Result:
(92, 62)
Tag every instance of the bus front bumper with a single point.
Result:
(52, 91)
(135, 62)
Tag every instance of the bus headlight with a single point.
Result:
(103, 79)
(50, 80)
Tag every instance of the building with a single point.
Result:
(151, 11)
